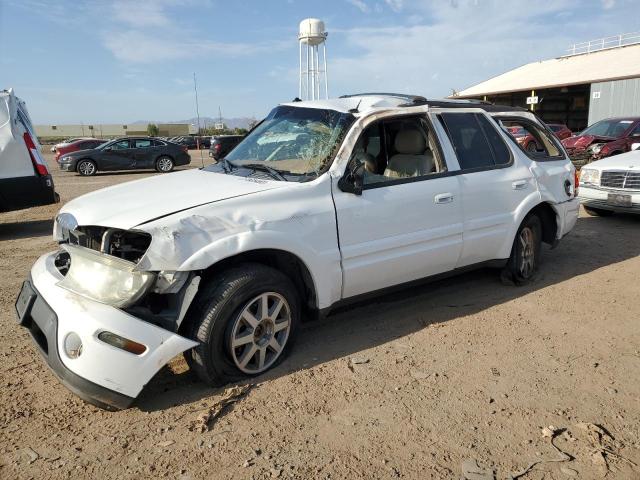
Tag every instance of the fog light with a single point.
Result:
(122, 343)
(73, 345)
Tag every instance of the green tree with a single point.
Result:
(152, 130)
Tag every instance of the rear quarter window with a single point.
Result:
(469, 140)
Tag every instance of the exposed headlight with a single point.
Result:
(590, 176)
(104, 278)
(64, 223)
(595, 148)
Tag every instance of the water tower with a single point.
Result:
(313, 69)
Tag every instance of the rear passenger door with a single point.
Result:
(493, 183)
(144, 153)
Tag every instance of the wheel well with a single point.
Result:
(285, 262)
(164, 155)
(86, 159)
(547, 216)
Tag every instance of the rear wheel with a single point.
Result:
(597, 212)
(245, 320)
(86, 168)
(525, 252)
(164, 164)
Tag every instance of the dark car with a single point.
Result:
(193, 142)
(603, 139)
(221, 145)
(127, 154)
(83, 144)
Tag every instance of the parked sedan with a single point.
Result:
(67, 142)
(84, 144)
(604, 139)
(127, 154)
(222, 144)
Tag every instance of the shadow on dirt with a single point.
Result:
(30, 229)
(594, 243)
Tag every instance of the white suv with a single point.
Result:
(323, 202)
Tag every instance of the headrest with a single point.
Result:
(410, 142)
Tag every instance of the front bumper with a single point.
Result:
(66, 167)
(598, 198)
(103, 375)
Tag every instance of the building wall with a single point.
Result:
(616, 99)
(111, 130)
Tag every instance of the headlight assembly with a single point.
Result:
(103, 278)
(596, 148)
(590, 176)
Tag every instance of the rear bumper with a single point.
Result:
(567, 216)
(26, 192)
(102, 374)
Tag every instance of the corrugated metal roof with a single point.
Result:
(603, 65)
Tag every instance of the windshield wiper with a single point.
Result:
(227, 166)
(277, 174)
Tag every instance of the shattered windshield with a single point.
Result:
(293, 141)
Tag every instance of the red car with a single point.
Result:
(559, 130)
(82, 144)
(604, 139)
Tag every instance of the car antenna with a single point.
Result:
(355, 110)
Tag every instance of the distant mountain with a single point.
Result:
(242, 122)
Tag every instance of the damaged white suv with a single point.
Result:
(322, 203)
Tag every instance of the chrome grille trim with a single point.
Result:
(620, 179)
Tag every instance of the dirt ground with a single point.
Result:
(418, 384)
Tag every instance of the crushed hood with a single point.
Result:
(583, 141)
(132, 203)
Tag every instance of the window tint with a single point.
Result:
(468, 140)
(397, 149)
(121, 145)
(142, 143)
(158, 143)
(530, 137)
(501, 153)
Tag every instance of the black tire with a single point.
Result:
(164, 164)
(525, 255)
(597, 212)
(216, 310)
(86, 167)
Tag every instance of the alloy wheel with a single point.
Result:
(165, 164)
(528, 246)
(86, 168)
(260, 332)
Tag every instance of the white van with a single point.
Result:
(25, 180)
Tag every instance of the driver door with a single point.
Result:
(118, 157)
(401, 228)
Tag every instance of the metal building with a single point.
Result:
(111, 130)
(595, 80)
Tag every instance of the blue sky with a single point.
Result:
(117, 61)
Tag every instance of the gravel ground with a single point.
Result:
(418, 384)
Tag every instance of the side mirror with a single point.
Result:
(353, 178)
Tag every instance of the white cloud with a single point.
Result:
(141, 13)
(608, 4)
(395, 5)
(360, 5)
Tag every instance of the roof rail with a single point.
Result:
(410, 98)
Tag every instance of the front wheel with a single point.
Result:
(245, 320)
(164, 164)
(86, 168)
(525, 252)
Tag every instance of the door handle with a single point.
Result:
(443, 198)
(519, 185)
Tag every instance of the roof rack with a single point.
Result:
(414, 99)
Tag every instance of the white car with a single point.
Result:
(324, 202)
(611, 185)
(25, 180)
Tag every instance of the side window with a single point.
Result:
(142, 143)
(158, 143)
(468, 140)
(397, 149)
(501, 153)
(121, 145)
(531, 138)
(636, 131)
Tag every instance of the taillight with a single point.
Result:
(185, 149)
(38, 162)
(217, 147)
(576, 182)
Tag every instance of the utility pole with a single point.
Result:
(195, 89)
